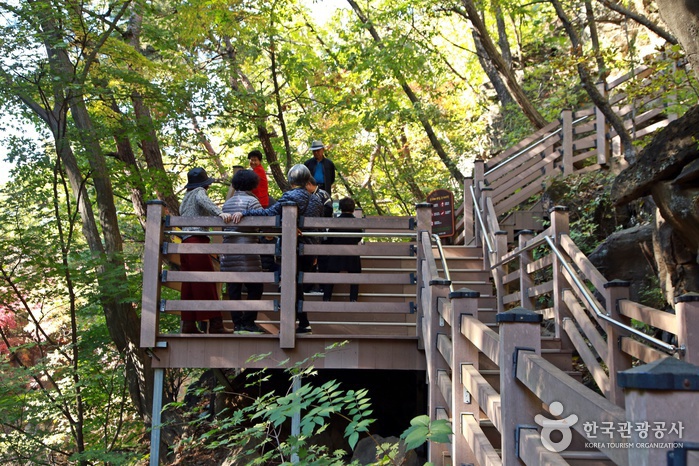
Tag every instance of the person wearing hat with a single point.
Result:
(196, 203)
(308, 206)
(322, 168)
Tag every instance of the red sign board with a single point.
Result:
(442, 202)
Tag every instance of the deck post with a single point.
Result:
(158, 379)
(468, 215)
(602, 128)
(488, 257)
(525, 280)
(500, 272)
(559, 226)
(567, 145)
(662, 401)
(520, 330)
(424, 223)
(687, 312)
(287, 313)
(478, 181)
(617, 361)
(464, 353)
(152, 268)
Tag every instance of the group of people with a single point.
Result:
(311, 188)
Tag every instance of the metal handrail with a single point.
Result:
(278, 233)
(447, 274)
(602, 314)
(434, 237)
(480, 220)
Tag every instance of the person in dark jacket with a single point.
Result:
(308, 206)
(351, 264)
(322, 168)
(326, 200)
(244, 183)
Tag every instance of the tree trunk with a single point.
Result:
(594, 38)
(280, 107)
(682, 17)
(597, 99)
(642, 20)
(149, 141)
(513, 87)
(240, 83)
(408, 171)
(122, 320)
(503, 42)
(436, 144)
(500, 87)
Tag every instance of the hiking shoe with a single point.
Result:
(251, 328)
(304, 330)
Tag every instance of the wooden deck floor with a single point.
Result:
(226, 351)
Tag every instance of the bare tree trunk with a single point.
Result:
(500, 87)
(503, 42)
(405, 161)
(126, 155)
(149, 142)
(436, 144)
(122, 320)
(280, 107)
(513, 87)
(208, 147)
(240, 83)
(642, 20)
(682, 17)
(597, 99)
(594, 38)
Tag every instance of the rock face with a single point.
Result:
(628, 255)
(668, 170)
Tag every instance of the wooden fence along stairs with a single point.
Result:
(471, 315)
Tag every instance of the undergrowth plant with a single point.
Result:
(259, 433)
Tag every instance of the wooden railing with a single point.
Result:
(579, 141)
(539, 274)
(387, 305)
(547, 277)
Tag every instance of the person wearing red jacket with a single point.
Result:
(262, 190)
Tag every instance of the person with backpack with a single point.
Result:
(308, 205)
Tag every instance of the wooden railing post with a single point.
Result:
(469, 215)
(567, 142)
(525, 280)
(520, 330)
(560, 225)
(483, 193)
(424, 223)
(617, 360)
(478, 181)
(500, 272)
(602, 128)
(287, 313)
(464, 353)
(687, 313)
(662, 401)
(152, 268)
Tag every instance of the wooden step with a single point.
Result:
(458, 251)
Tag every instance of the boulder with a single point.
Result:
(668, 170)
